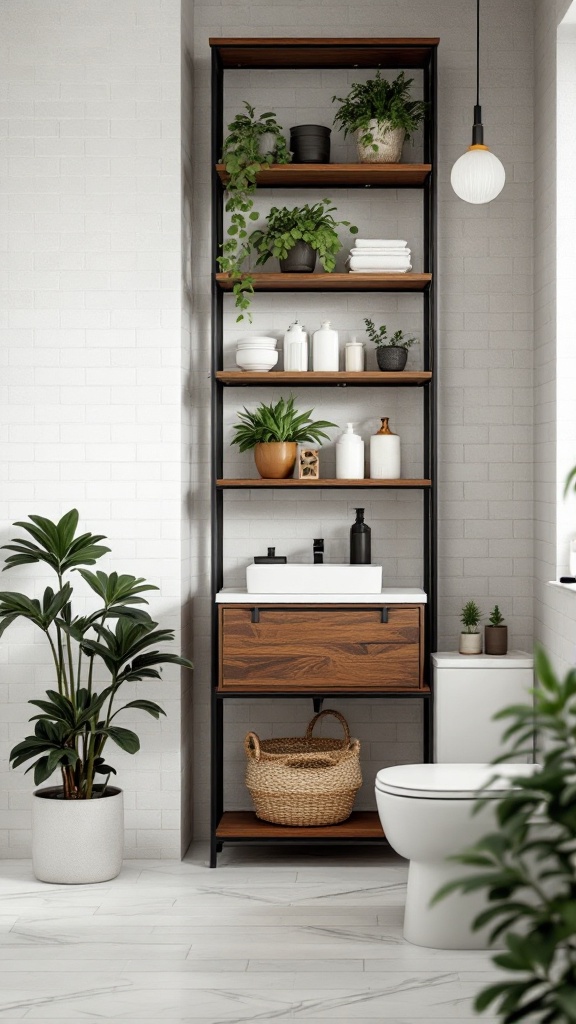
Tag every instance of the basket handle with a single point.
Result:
(321, 714)
(252, 746)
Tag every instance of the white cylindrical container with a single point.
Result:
(295, 347)
(354, 356)
(325, 348)
(77, 842)
(385, 454)
(350, 455)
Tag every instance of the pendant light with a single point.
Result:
(478, 176)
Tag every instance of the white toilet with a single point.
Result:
(426, 809)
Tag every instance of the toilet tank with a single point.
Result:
(468, 690)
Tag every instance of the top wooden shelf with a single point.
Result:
(339, 175)
(324, 53)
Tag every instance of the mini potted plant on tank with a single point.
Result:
(381, 115)
(470, 638)
(78, 826)
(274, 432)
(496, 633)
(391, 353)
(297, 237)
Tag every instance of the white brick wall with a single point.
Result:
(90, 346)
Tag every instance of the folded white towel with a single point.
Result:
(380, 252)
(379, 270)
(380, 243)
(379, 262)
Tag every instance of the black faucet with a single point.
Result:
(318, 550)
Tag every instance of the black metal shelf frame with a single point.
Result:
(428, 64)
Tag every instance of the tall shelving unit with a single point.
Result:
(229, 826)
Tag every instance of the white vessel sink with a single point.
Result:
(304, 578)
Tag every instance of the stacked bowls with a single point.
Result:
(256, 353)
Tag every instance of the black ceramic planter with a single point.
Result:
(391, 357)
(300, 260)
(310, 144)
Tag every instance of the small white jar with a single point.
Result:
(295, 347)
(354, 356)
(325, 348)
(350, 455)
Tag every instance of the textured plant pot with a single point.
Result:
(267, 143)
(300, 260)
(75, 842)
(496, 640)
(275, 460)
(391, 357)
(470, 643)
(310, 144)
(388, 142)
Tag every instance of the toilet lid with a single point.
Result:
(448, 781)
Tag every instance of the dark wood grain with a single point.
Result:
(332, 282)
(339, 175)
(324, 53)
(245, 825)
(311, 378)
(257, 482)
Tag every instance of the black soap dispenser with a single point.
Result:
(270, 559)
(360, 541)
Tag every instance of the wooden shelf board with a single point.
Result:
(332, 282)
(245, 825)
(365, 692)
(324, 53)
(311, 378)
(339, 175)
(258, 482)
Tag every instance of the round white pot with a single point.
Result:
(388, 142)
(75, 842)
(267, 143)
(470, 643)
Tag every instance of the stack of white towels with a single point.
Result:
(380, 256)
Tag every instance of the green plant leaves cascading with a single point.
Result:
(74, 721)
(314, 225)
(278, 422)
(380, 100)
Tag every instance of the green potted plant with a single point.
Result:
(78, 826)
(391, 353)
(382, 116)
(300, 235)
(526, 866)
(496, 633)
(253, 143)
(470, 638)
(274, 432)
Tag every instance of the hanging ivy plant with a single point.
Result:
(252, 144)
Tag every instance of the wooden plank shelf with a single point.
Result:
(260, 482)
(339, 175)
(314, 378)
(244, 825)
(332, 282)
(324, 53)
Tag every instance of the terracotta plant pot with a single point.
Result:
(77, 842)
(470, 643)
(388, 142)
(496, 640)
(275, 460)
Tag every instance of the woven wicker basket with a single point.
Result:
(301, 780)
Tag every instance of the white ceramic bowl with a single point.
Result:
(256, 342)
(256, 359)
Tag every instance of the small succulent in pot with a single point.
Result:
(470, 638)
(304, 228)
(382, 115)
(496, 634)
(274, 432)
(391, 353)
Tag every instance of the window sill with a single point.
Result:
(563, 586)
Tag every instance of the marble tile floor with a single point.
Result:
(270, 935)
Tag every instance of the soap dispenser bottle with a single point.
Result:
(360, 541)
(325, 348)
(350, 455)
(385, 454)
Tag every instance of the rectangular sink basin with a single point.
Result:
(304, 578)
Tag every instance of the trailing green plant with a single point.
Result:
(312, 224)
(243, 159)
(379, 335)
(496, 617)
(527, 866)
(470, 617)
(380, 100)
(279, 422)
(75, 721)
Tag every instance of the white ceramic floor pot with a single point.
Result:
(75, 842)
(388, 142)
(470, 643)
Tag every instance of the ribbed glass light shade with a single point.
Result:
(478, 176)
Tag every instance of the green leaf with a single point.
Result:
(145, 705)
(124, 738)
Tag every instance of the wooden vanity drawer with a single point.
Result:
(329, 647)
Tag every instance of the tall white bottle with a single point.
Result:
(350, 455)
(325, 348)
(295, 347)
(385, 454)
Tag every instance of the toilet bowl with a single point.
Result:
(426, 814)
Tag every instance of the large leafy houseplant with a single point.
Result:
(313, 225)
(387, 103)
(274, 431)
(253, 143)
(78, 716)
(527, 867)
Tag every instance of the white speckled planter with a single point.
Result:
(470, 643)
(75, 842)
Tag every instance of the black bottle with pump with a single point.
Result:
(360, 541)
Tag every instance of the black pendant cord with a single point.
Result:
(477, 129)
